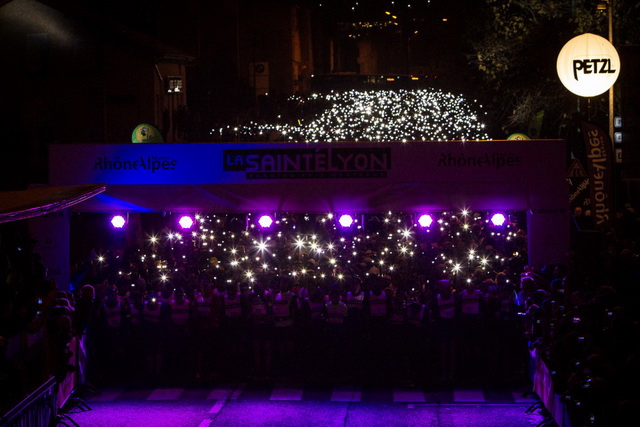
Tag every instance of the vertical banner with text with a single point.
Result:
(599, 156)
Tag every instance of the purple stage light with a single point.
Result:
(346, 221)
(425, 220)
(265, 221)
(118, 221)
(186, 222)
(498, 219)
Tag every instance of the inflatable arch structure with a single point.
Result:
(525, 175)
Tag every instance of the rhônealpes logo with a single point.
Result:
(143, 163)
(294, 163)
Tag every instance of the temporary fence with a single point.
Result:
(38, 409)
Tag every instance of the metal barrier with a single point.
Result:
(44, 406)
(68, 384)
(543, 388)
(37, 409)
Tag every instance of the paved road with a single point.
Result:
(294, 405)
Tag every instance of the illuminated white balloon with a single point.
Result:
(588, 65)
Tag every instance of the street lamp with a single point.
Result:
(608, 6)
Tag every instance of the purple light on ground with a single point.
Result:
(498, 219)
(186, 222)
(346, 221)
(260, 412)
(425, 220)
(118, 221)
(265, 221)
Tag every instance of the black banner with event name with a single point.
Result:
(599, 159)
(294, 163)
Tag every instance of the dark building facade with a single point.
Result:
(75, 77)
(89, 72)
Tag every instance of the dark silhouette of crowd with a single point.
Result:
(587, 332)
(37, 324)
(371, 330)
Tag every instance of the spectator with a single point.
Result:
(445, 327)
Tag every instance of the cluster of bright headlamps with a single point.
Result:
(377, 116)
(325, 248)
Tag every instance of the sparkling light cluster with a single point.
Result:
(314, 250)
(380, 116)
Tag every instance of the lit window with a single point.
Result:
(174, 84)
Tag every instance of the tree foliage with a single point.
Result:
(517, 55)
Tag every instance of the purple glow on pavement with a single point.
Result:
(254, 411)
